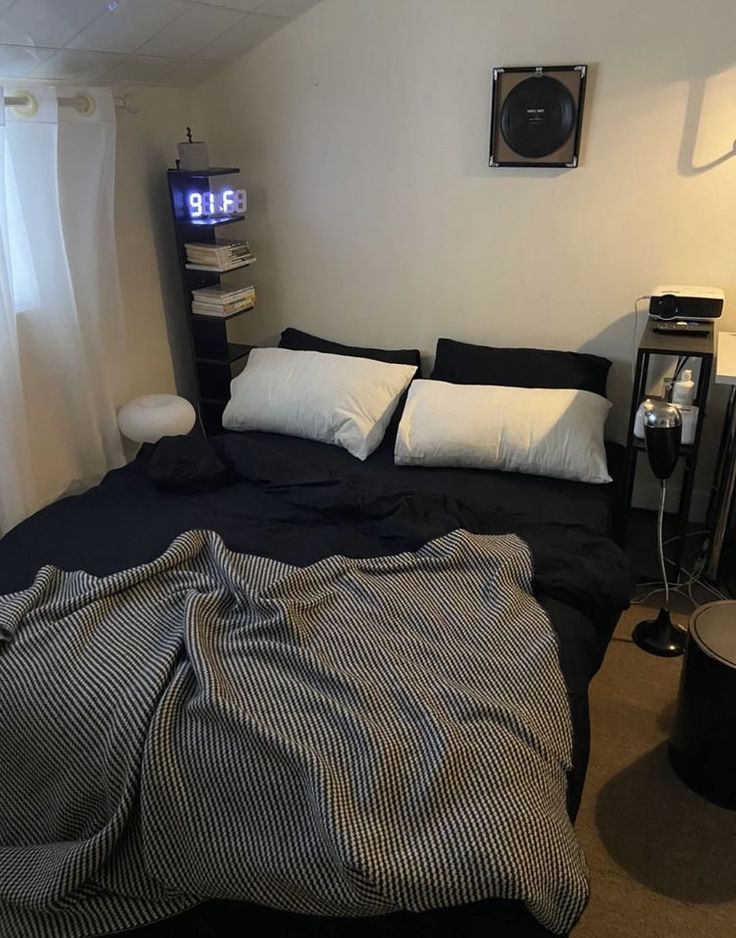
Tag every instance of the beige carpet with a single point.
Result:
(662, 860)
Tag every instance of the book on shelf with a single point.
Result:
(229, 301)
(218, 257)
(220, 250)
(232, 245)
(221, 293)
(220, 300)
(219, 312)
(222, 268)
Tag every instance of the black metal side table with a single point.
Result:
(654, 343)
(720, 510)
(703, 741)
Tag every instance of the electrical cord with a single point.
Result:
(681, 362)
(671, 540)
(696, 580)
(684, 589)
(696, 577)
(686, 594)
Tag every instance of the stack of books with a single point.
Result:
(222, 256)
(221, 301)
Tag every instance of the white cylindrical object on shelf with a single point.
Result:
(683, 391)
(194, 156)
(689, 414)
(149, 418)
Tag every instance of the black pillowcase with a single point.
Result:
(299, 341)
(463, 363)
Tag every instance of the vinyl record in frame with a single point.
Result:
(536, 115)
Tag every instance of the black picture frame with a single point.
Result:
(505, 79)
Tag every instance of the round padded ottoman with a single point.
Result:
(149, 418)
(703, 741)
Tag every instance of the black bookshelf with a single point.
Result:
(217, 360)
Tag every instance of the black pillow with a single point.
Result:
(187, 464)
(300, 341)
(461, 363)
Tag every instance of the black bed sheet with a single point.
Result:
(533, 497)
(126, 521)
(289, 502)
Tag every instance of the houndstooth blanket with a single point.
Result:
(354, 737)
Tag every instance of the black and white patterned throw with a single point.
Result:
(351, 738)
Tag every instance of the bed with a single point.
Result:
(299, 501)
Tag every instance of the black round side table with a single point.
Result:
(703, 741)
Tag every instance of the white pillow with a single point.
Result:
(534, 430)
(331, 398)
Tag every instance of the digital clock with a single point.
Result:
(201, 205)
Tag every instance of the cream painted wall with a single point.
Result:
(146, 146)
(362, 129)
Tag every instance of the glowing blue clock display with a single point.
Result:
(202, 206)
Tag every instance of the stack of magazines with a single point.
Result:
(221, 301)
(221, 256)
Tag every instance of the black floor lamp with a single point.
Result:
(662, 434)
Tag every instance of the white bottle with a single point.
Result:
(683, 391)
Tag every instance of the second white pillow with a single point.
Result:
(539, 431)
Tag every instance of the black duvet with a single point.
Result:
(300, 502)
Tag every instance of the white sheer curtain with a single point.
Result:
(61, 325)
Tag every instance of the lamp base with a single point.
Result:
(660, 636)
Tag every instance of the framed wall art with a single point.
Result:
(537, 115)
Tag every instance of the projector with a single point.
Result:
(689, 304)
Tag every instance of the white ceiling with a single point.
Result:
(168, 42)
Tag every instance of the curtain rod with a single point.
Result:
(81, 103)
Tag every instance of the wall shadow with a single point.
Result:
(665, 836)
(623, 336)
(693, 112)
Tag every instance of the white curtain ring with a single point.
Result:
(87, 105)
(30, 108)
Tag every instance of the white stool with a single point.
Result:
(146, 419)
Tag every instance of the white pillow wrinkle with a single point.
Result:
(539, 431)
(334, 399)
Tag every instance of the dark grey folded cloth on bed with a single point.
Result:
(186, 464)
(349, 738)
